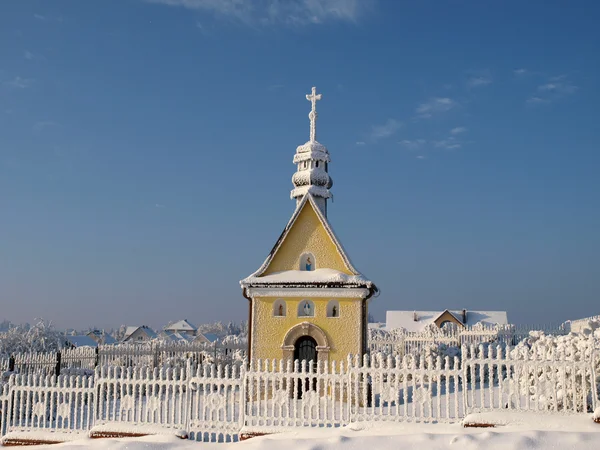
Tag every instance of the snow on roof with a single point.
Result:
(178, 337)
(81, 341)
(405, 319)
(307, 199)
(308, 277)
(130, 330)
(210, 336)
(182, 325)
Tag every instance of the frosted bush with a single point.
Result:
(41, 337)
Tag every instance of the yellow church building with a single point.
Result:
(307, 301)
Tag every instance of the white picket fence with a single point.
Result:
(217, 403)
(399, 342)
(44, 407)
(500, 378)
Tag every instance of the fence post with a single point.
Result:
(465, 384)
(57, 368)
(594, 385)
(243, 402)
(96, 356)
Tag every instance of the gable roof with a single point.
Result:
(355, 277)
(81, 341)
(182, 325)
(148, 331)
(405, 319)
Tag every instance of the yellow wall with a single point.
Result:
(343, 332)
(307, 235)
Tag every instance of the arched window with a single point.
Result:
(306, 308)
(446, 324)
(279, 308)
(333, 308)
(307, 262)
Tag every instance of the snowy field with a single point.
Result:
(518, 431)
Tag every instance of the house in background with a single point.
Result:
(139, 335)
(82, 340)
(416, 321)
(182, 327)
(101, 337)
(206, 338)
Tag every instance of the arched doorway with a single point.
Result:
(305, 349)
(293, 337)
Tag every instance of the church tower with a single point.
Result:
(313, 160)
(307, 301)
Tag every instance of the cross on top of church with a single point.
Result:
(312, 98)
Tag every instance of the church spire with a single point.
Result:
(313, 160)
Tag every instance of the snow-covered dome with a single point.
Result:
(313, 160)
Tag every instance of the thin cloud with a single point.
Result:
(44, 124)
(520, 72)
(414, 144)
(40, 17)
(534, 100)
(434, 106)
(474, 82)
(18, 83)
(554, 89)
(30, 56)
(458, 130)
(159, 205)
(360, 142)
(420, 156)
(449, 143)
(270, 12)
(386, 130)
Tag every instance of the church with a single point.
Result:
(307, 301)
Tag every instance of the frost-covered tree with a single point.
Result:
(41, 337)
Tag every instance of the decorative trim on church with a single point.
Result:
(306, 329)
(308, 292)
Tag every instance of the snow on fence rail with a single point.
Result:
(217, 403)
(217, 400)
(401, 342)
(501, 377)
(135, 399)
(43, 407)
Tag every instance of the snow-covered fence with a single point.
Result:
(399, 342)
(4, 364)
(282, 395)
(78, 358)
(36, 363)
(4, 409)
(42, 407)
(127, 355)
(141, 400)
(217, 403)
(501, 377)
(217, 400)
(286, 394)
(398, 389)
(169, 354)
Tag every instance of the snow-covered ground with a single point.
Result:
(518, 431)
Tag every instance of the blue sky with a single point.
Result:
(146, 152)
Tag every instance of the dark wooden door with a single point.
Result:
(306, 350)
